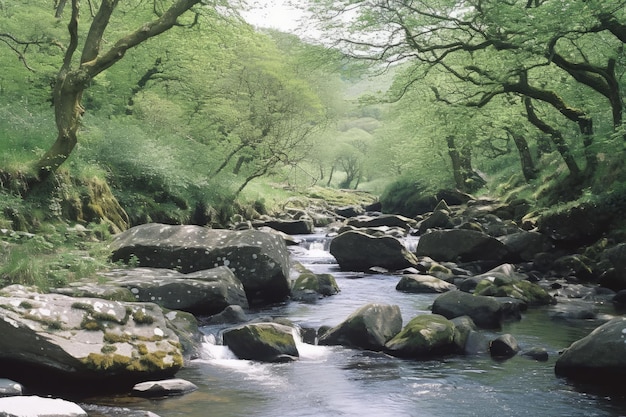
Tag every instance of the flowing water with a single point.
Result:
(335, 381)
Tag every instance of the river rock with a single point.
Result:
(185, 325)
(502, 286)
(503, 347)
(302, 226)
(164, 388)
(461, 245)
(388, 220)
(57, 342)
(33, 406)
(258, 259)
(310, 286)
(10, 388)
(266, 342)
(524, 245)
(202, 292)
(349, 211)
(424, 336)
(599, 357)
(96, 410)
(439, 219)
(230, 315)
(370, 327)
(358, 251)
(420, 284)
(486, 312)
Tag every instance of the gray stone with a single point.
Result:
(258, 259)
(358, 251)
(599, 357)
(461, 245)
(47, 338)
(266, 342)
(163, 388)
(9, 388)
(203, 292)
(486, 312)
(503, 347)
(33, 406)
(424, 336)
(416, 283)
(370, 327)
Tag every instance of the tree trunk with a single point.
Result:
(557, 137)
(457, 164)
(58, 8)
(526, 159)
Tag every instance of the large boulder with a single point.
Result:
(424, 336)
(370, 327)
(420, 284)
(599, 357)
(504, 281)
(358, 251)
(60, 342)
(258, 259)
(461, 245)
(266, 342)
(486, 312)
(204, 292)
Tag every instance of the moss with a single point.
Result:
(117, 337)
(142, 349)
(108, 349)
(91, 324)
(26, 305)
(52, 323)
(107, 362)
(140, 317)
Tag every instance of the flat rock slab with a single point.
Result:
(32, 406)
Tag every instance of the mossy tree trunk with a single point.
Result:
(71, 81)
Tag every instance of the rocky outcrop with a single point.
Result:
(266, 342)
(358, 251)
(486, 312)
(388, 220)
(48, 338)
(370, 327)
(258, 259)
(204, 292)
(599, 357)
(461, 245)
(420, 284)
(424, 336)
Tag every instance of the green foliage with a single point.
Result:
(406, 196)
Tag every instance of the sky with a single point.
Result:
(274, 14)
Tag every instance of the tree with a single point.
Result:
(496, 48)
(82, 64)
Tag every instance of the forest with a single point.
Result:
(115, 114)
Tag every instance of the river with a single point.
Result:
(336, 381)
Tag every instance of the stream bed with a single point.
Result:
(336, 381)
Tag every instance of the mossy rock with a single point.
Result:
(526, 291)
(426, 335)
(267, 342)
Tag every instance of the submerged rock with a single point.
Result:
(370, 327)
(260, 260)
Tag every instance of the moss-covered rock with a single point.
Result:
(424, 336)
(526, 291)
(267, 342)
